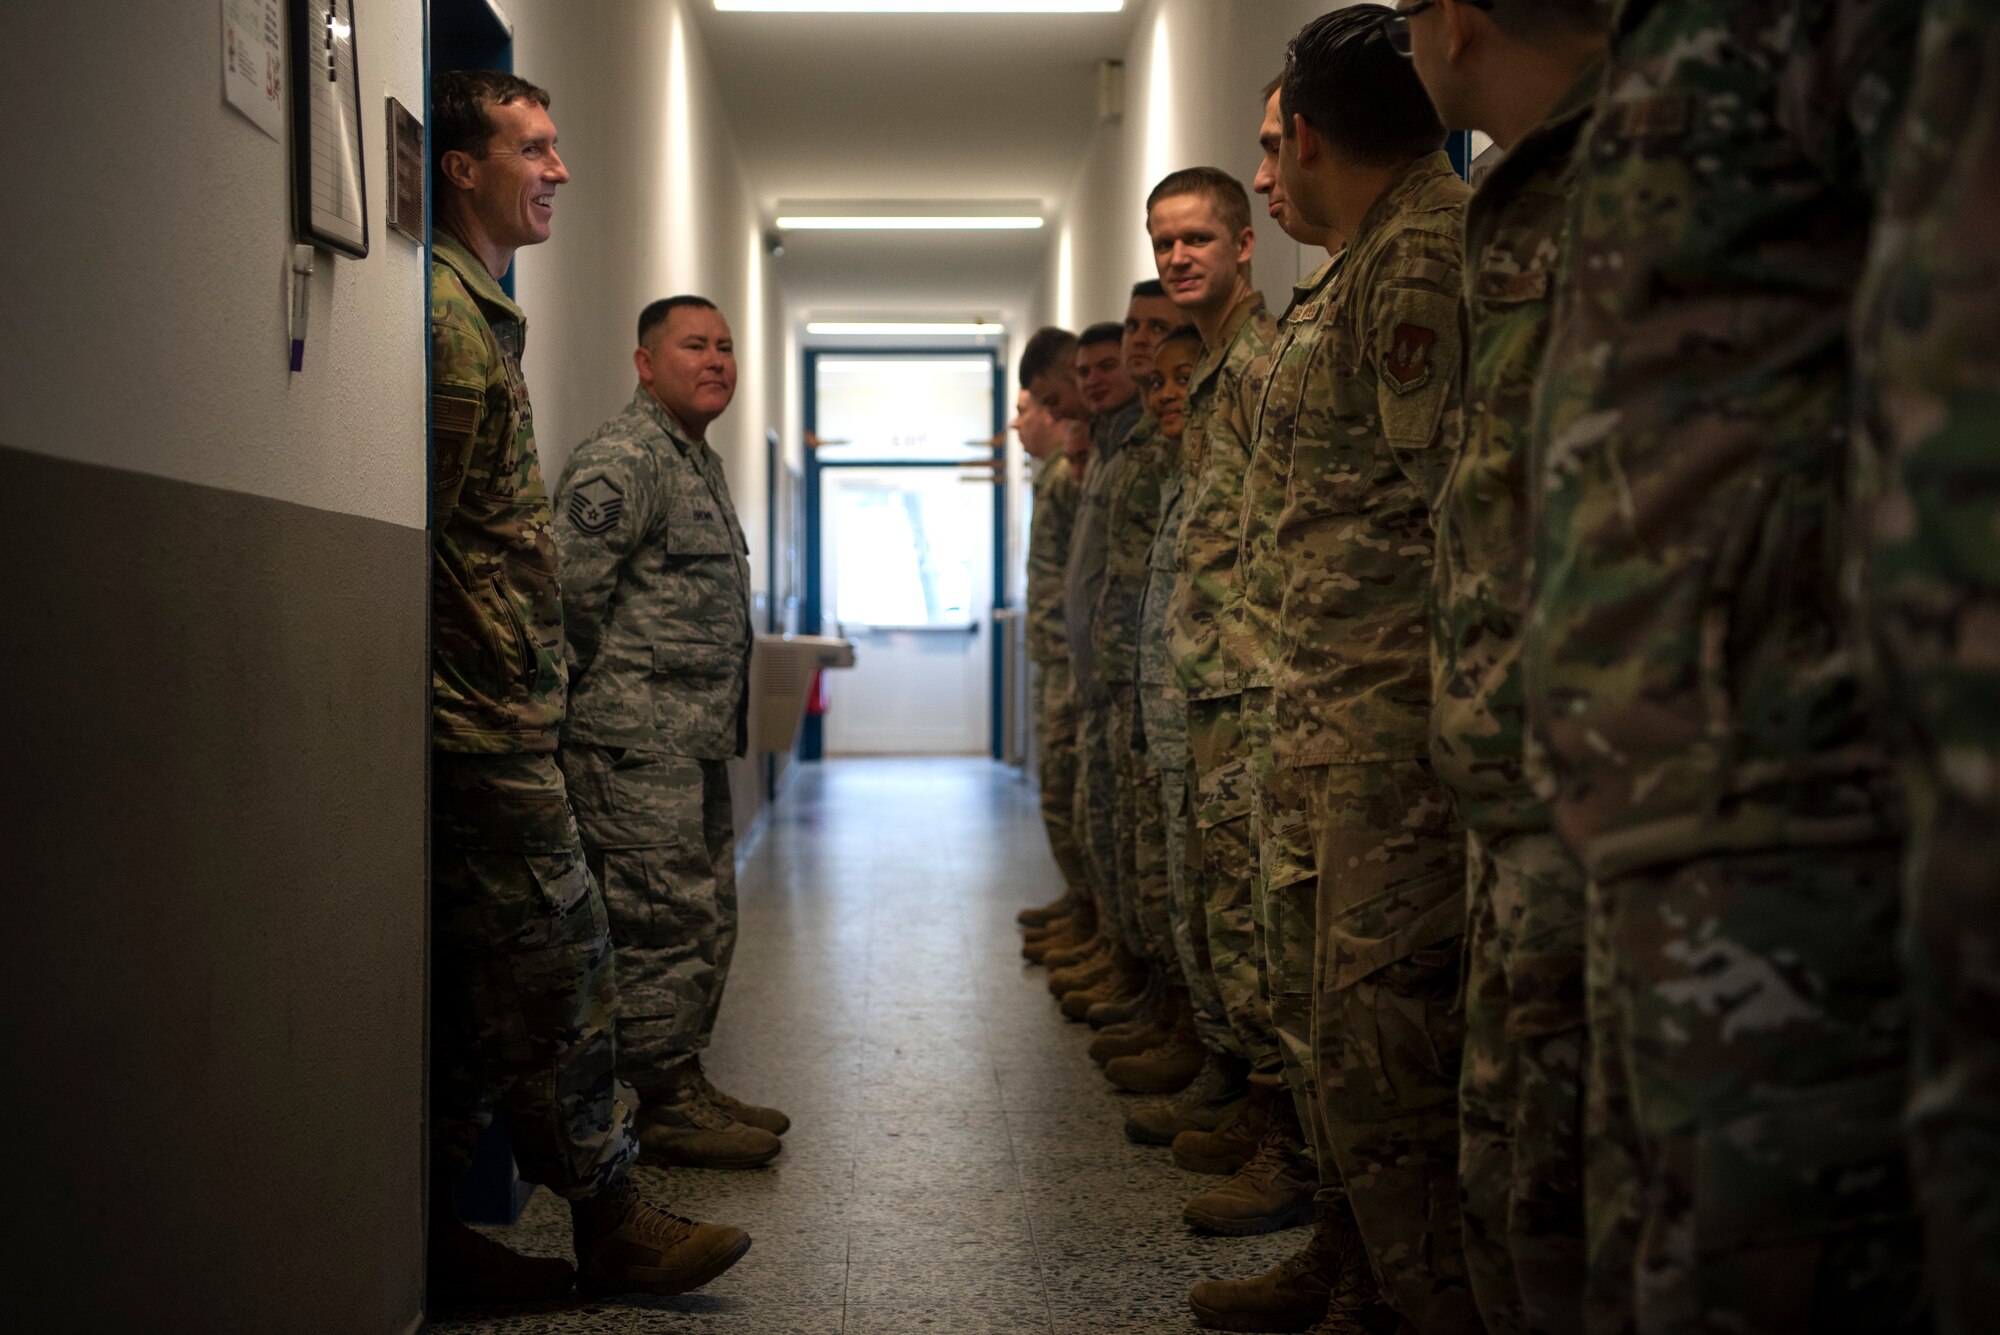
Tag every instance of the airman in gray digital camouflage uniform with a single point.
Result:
(657, 575)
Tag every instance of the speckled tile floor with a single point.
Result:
(956, 1164)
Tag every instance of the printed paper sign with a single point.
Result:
(253, 61)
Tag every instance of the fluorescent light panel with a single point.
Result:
(920, 6)
(911, 224)
(903, 328)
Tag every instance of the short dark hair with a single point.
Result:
(1186, 333)
(1108, 331)
(656, 312)
(1047, 349)
(1277, 82)
(1342, 75)
(459, 120)
(1529, 20)
(1223, 191)
(1149, 287)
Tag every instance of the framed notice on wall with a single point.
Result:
(329, 184)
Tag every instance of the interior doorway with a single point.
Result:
(905, 518)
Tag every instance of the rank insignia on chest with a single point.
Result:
(1408, 362)
(596, 506)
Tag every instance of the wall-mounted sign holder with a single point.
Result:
(329, 180)
(407, 171)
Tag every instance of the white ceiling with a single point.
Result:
(926, 108)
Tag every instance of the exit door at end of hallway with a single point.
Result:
(904, 516)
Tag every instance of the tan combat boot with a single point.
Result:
(750, 1114)
(1065, 935)
(626, 1244)
(1356, 1306)
(1089, 970)
(1210, 1099)
(1165, 1069)
(1126, 975)
(1136, 1036)
(1059, 907)
(1064, 957)
(1223, 1151)
(1131, 1006)
(1274, 1190)
(1290, 1296)
(691, 1132)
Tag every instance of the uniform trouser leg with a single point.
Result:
(1952, 957)
(1753, 1013)
(1386, 1035)
(1521, 1087)
(523, 989)
(1165, 717)
(1219, 788)
(661, 838)
(1096, 817)
(1144, 841)
(1287, 935)
(1055, 723)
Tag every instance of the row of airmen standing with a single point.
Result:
(1500, 717)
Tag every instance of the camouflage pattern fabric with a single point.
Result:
(1689, 689)
(1373, 414)
(1056, 760)
(1223, 861)
(1056, 494)
(498, 680)
(523, 993)
(1285, 902)
(1215, 452)
(1094, 816)
(1163, 730)
(1090, 545)
(1521, 1092)
(1386, 1036)
(1143, 837)
(656, 572)
(660, 838)
(1929, 492)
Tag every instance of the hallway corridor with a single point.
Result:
(956, 1162)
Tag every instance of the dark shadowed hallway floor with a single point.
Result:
(956, 1162)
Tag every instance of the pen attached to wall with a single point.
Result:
(302, 270)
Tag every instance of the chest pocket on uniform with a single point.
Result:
(697, 530)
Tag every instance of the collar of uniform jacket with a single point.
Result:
(678, 434)
(1555, 135)
(483, 286)
(1413, 179)
(1212, 359)
(1108, 432)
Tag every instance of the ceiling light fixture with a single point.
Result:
(920, 6)
(892, 223)
(904, 329)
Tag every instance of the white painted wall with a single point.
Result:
(1193, 72)
(658, 204)
(144, 321)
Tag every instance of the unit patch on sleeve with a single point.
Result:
(596, 505)
(1407, 362)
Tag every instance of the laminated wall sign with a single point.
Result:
(329, 184)
(253, 61)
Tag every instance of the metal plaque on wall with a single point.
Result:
(407, 171)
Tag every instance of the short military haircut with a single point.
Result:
(1109, 331)
(1048, 349)
(1186, 333)
(656, 312)
(1149, 287)
(1224, 193)
(459, 98)
(1277, 82)
(1542, 20)
(1351, 86)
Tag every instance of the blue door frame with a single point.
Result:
(812, 738)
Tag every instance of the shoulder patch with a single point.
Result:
(1406, 362)
(455, 413)
(596, 505)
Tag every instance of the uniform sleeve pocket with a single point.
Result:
(696, 658)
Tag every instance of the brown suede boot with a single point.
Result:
(1210, 1099)
(1059, 907)
(1131, 1039)
(750, 1114)
(1274, 1190)
(626, 1244)
(1131, 1006)
(1087, 971)
(1166, 1069)
(1290, 1296)
(1063, 957)
(691, 1132)
(1121, 976)
(1356, 1306)
(1226, 1149)
(1065, 935)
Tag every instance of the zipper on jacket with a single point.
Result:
(529, 668)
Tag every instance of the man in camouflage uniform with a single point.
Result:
(1112, 401)
(1370, 397)
(1527, 74)
(1931, 512)
(1296, 1293)
(658, 578)
(1216, 1093)
(1172, 1055)
(1689, 686)
(522, 995)
(1055, 491)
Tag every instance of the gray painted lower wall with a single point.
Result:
(212, 845)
